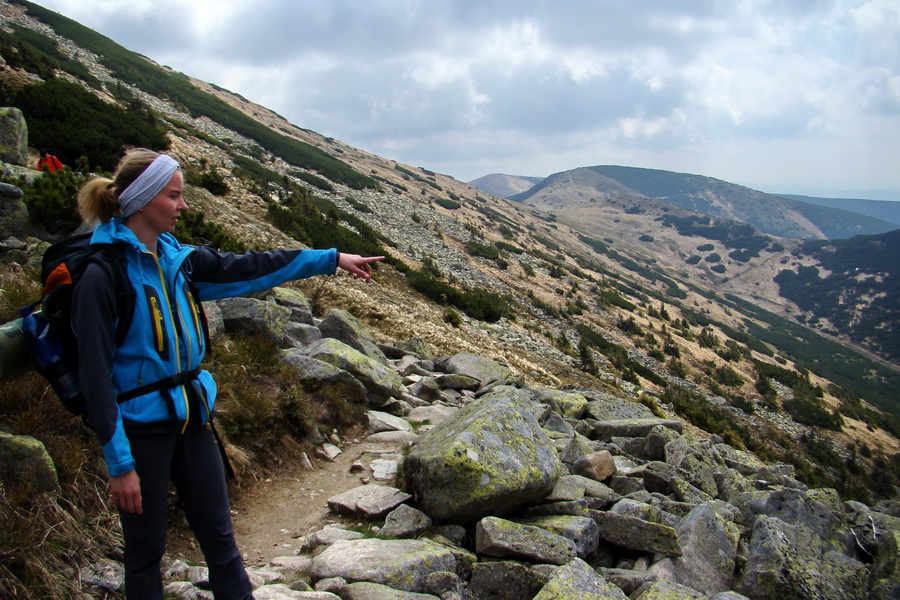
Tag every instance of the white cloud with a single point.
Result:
(755, 89)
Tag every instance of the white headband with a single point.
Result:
(147, 185)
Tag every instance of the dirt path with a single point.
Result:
(271, 517)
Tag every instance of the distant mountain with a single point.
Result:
(504, 186)
(775, 215)
(885, 210)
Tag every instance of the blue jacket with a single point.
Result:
(165, 336)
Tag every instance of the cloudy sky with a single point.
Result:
(796, 96)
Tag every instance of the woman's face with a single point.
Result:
(161, 213)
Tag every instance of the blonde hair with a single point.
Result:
(98, 199)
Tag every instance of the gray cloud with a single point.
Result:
(781, 92)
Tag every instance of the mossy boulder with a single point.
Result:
(25, 460)
(400, 564)
(13, 137)
(379, 380)
(490, 458)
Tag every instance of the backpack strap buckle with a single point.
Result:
(165, 383)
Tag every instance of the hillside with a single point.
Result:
(605, 276)
(775, 215)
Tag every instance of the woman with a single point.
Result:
(164, 434)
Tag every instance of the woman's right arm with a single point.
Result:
(94, 325)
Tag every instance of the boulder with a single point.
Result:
(296, 301)
(25, 460)
(790, 561)
(380, 381)
(255, 317)
(13, 213)
(637, 534)
(605, 431)
(478, 367)
(666, 590)
(369, 501)
(506, 539)
(504, 580)
(13, 137)
(885, 576)
(405, 522)
(709, 548)
(489, 459)
(326, 381)
(576, 579)
(364, 590)
(569, 405)
(341, 325)
(582, 531)
(400, 564)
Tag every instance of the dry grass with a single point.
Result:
(48, 538)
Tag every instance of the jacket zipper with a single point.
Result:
(177, 354)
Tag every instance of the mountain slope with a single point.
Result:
(771, 214)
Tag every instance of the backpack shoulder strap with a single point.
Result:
(111, 257)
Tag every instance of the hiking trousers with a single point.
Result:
(192, 461)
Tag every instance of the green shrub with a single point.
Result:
(449, 204)
(483, 250)
(453, 318)
(74, 123)
(51, 200)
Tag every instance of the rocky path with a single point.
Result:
(274, 514)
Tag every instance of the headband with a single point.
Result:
(147, 185)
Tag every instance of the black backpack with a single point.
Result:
(47, 322)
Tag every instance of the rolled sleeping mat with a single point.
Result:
(15, 358)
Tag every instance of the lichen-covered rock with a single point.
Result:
(257, 317)
(481, 368)
(709, 548)
(379, 380)
(576, 579)
(400, 564)
(637, 534)
(341, 325)
(295, 300)
(325, 379)
(569, 405)
(490, 458)
(790, 561)
(667, 590)
(506, 539)
(605, 407)
(798, 507)
(13, 137)
(375, 591)
(582, 531)
(886, 568)
(13, 213)
(25, 460)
